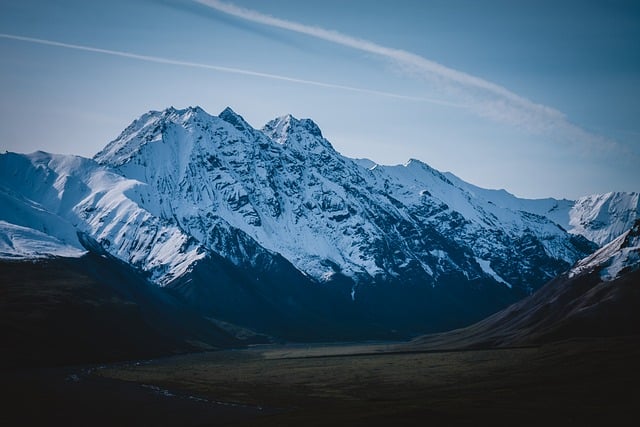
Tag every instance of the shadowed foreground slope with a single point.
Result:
(598, 297)
(93, 309)
(575, 382)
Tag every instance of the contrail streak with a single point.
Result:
(397, 55)
(483, 97)
(223, 69)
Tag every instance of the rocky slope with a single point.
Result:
(598, 297)
(94, 308)
(286, 222)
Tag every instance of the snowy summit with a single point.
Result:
(180, 185)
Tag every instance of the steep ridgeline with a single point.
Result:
(598, 296)
(287, 190)
(236, 219)
(599, 217)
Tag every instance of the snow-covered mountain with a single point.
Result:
(598, 217)
(622, 255)
(179, 188)
(63, 195)
(601, 218)
(288, 191)
(598, 296)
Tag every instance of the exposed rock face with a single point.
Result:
(182, 195)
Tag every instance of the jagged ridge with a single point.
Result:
(180, 187)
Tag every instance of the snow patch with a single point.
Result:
(17, 242)
(603, 217)
(486, 267)
(622, 254)
(177, 184)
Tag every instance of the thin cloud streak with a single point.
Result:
(169, 61)
(484, 98)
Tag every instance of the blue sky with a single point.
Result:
(541, 98)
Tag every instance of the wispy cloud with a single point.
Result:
(483, 97)
(224, 69)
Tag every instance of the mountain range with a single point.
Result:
(275, 232)
(598, 297)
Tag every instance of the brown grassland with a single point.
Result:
(574, 382)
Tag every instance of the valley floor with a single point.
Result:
(576, 382)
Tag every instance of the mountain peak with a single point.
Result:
(301, 132)
(153, 127)
(414, 163)
(619, 256)
(420, 167)
(129, 141)
(227, 111)
(234, 119)
(182, 195)
(616, 210)
(308, 125)
(184, 113)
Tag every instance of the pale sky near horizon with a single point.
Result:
(541, 98)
